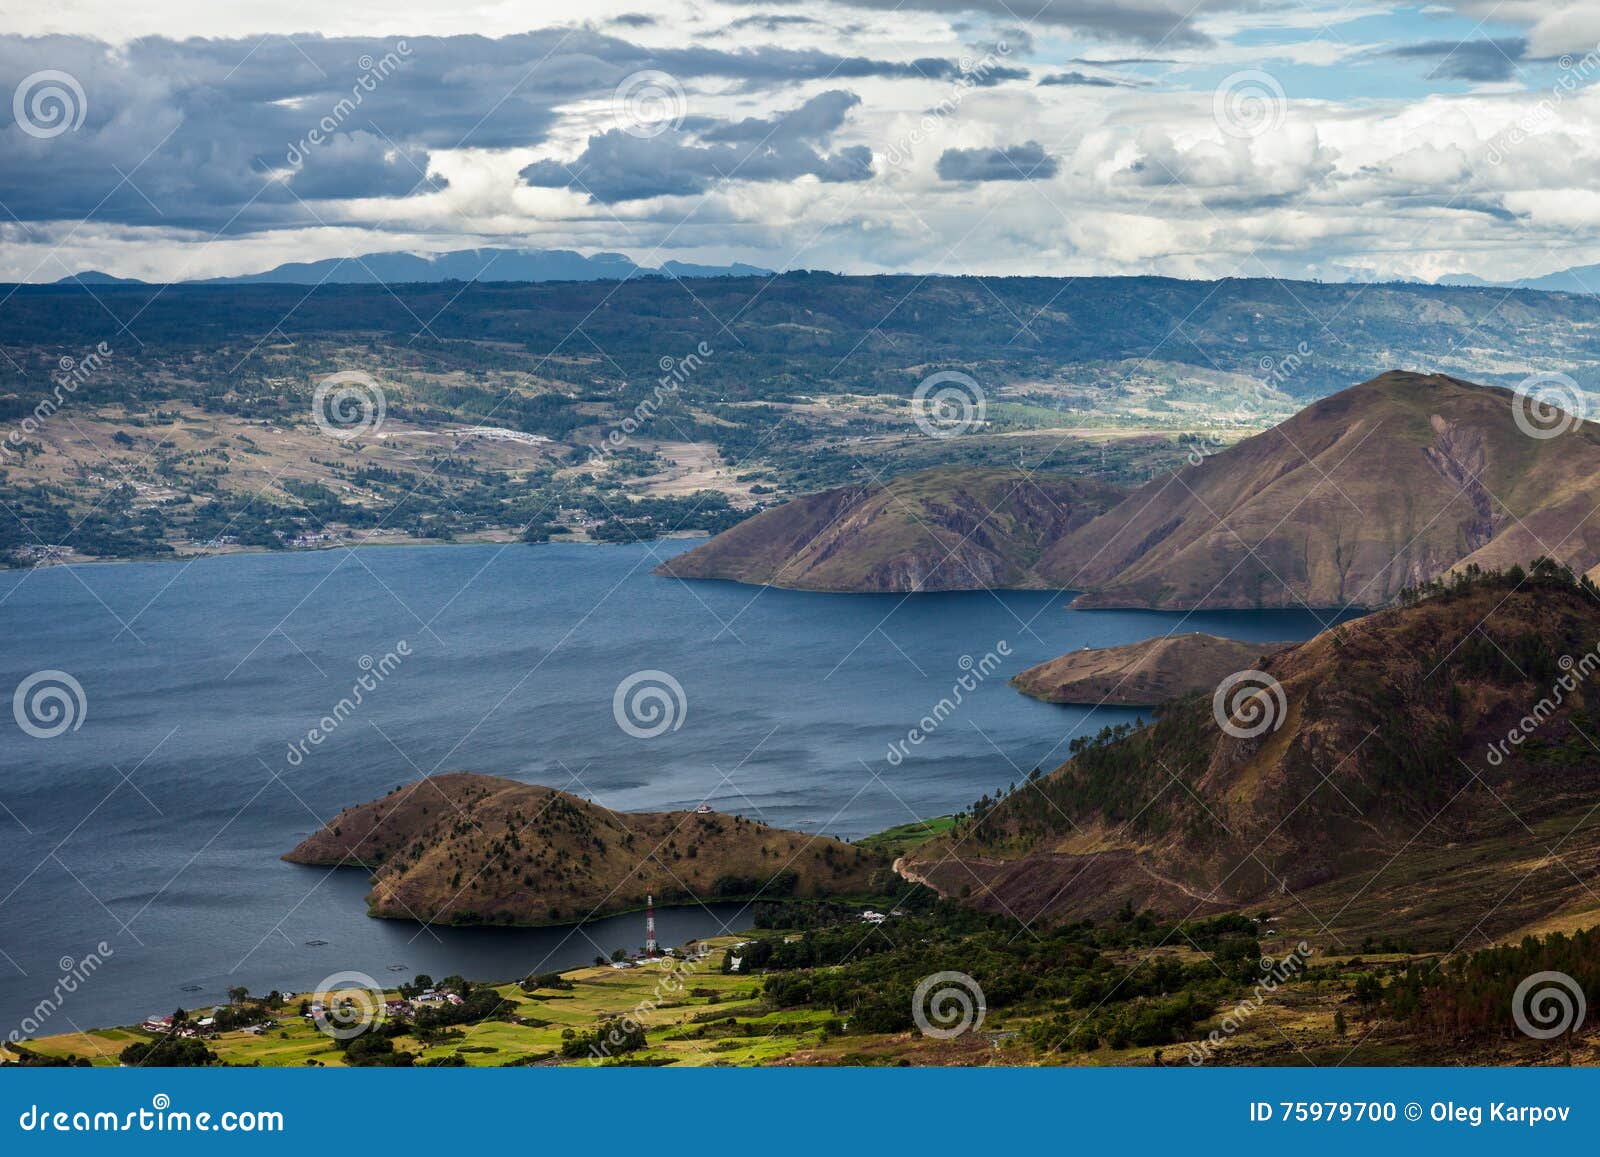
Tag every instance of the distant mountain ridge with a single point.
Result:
(457, 265)
(1578, 279)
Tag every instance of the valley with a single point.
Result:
(626, 411)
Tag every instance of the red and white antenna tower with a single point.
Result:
(650, 926)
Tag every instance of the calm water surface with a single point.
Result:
(156, 826)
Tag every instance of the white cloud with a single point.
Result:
(1142, 179)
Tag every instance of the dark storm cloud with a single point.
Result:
(618, 166)
(772, 22)
(1471, 60)
(248, 134)
(1149, 21)
(816, 120)
(1086, 81)
(1022, 162)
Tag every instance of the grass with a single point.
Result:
(655, 996)
(1293, 1026)
(897, 841)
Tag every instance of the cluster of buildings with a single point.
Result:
(162, 1025)
(870, 917)
(47, 552)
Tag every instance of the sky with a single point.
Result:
(1190, 138)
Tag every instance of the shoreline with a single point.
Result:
(202, 556)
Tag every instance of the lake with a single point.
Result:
(155, 826)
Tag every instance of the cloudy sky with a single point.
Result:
(1299, 138)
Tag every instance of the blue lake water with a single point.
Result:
(155, 827)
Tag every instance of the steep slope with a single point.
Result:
(1382, 486)
(1380, 794)
(941, 529)
(463, 848)
(1141, 674)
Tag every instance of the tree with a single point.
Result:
(168, 1052)
(1368, 989)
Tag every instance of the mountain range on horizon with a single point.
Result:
(504, 264)
(1577, 279)
(457, 265)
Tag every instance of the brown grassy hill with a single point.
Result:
(1141, 674)
(463, 848)
(1382, 486)
(1374, 806)
(947, 528)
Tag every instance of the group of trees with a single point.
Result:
(1075, 976)
(613, 1037)
(1541, 572)
(1473, 995)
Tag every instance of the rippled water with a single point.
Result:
(156, 826)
